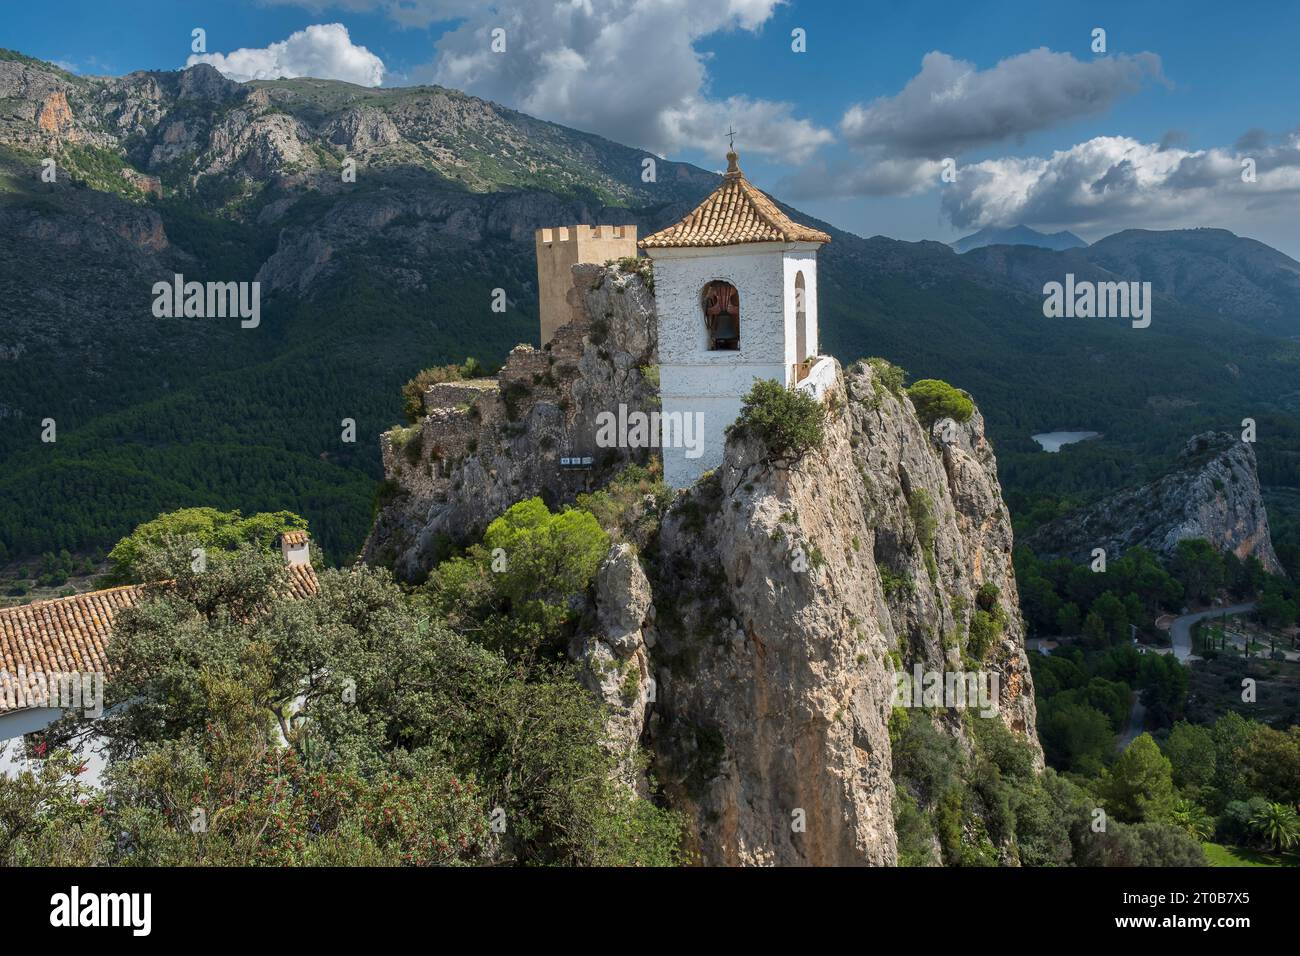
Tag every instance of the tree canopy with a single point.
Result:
(787, 421)
(935, 399)
(350, 727)
(209, 528)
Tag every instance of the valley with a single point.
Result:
(640, 435)
(366, 283)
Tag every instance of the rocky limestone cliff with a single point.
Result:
(753, 642)
(486, 444)
(794, 596)
(1212, 493)
(613, 658)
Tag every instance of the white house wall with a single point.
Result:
(693, 379)
(805, 261)
(757, 274)
(92, 748)
(719, 411)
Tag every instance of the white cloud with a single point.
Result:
(763, 126)
(1112, 182)
(951, 106)
(324, 51)
(898, 142)
(626, 69)
(864, 177)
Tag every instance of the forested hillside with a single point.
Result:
(364, 283)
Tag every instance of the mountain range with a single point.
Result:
(1021, 235)
(366, 280)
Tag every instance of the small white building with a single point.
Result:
(54, 660)
(736, 297)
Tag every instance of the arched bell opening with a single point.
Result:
(721, 304)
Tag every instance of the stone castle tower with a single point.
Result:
(736, 298)
(559, 250)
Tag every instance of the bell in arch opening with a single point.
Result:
(721, 303)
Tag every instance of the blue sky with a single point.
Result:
(1147, 134)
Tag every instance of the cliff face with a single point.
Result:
(754, 643)
(488, 443)
(1212, 492)
(796, 597)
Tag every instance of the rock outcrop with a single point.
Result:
(754, 643)
(614, 658)
(1211, 493)
(488, 443)
(55, 115)
(792, 598)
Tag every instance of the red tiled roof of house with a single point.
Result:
(70, 634)
(302, 580)
(64, 635)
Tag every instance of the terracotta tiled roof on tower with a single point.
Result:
(734, 213)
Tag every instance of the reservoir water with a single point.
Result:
(1052, 441)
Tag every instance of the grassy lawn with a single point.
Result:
(1220, 855)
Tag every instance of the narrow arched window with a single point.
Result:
(721, 304)
(800, 318)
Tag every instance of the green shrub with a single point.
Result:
(512, 395)
(216, 531)
(630, 505)
(987, 596)
(515, 590)
(787, 421)
(935, 399)
(921, 508)
(886, 376)
(915, 835)
(631, 682)
(894, 584)
(413, 391)
(642, 266)
(985, 630)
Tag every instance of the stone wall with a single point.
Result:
(559, 249)
(485, 445)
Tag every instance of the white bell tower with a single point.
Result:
(736, 298)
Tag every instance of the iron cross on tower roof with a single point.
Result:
(731, 137)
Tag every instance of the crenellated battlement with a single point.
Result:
(559, 249)
(563, 234)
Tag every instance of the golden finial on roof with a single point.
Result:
(733, 214)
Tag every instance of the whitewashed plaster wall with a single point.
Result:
(805, 261)
(694, 379)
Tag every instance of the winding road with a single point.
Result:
(1181, 632)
